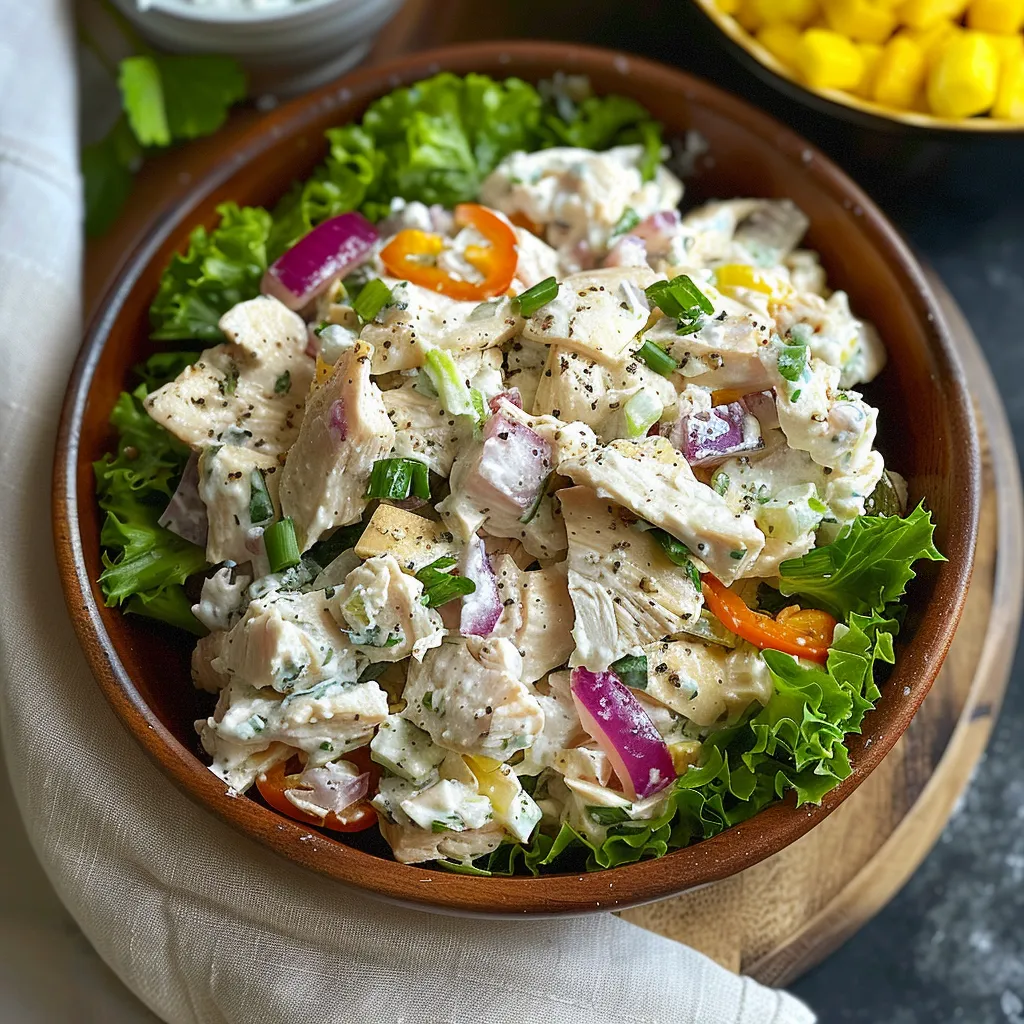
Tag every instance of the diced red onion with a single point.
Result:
(624, 731)
(329, 251)
(481, 609)
(762, 405)
(512, 396)
(628, 251)
(185, 514)
(512, 467)
(330, 789)
(708, 438)
(659, 225)
(338, 422)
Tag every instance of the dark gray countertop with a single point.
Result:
(950, 947)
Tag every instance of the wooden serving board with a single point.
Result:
(834, 879)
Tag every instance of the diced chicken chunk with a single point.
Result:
(226, 474)
(707, 684)
(288, 641)
(595, 313)
(423, 430)
(379, 607)
(245, 733)
(345, 430)
(417, 319)
(574, 387)
(248, 392)
(655, 482)
(578, 195)
(413, 845)
(470, 697)
(624, 590)
(562, 728)
(525, 363)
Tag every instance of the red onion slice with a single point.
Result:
(185, 514)
(624, 731)
(513, 465)
(330, 250)
(708, 438)
(762, 405)
(512, 396)
(481, 609)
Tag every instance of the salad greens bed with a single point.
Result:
(435, 142)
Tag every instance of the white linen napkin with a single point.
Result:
(204, 926)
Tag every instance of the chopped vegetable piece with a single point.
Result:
(678, 553)
(440, 585)
(372, 298)
(261, 508)
(451, 387)
(642, 411)
(282, 546)
(481, 607)
(396, 479)
(527, 303)
(632, 670)
(709, 438)
(657, 359)
(680, 300)
(629, 220)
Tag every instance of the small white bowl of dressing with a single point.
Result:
(286, 46)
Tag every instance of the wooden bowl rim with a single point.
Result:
(828, 98)
(553, 895)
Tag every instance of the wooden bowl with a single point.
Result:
(927, 433)
(836, 102)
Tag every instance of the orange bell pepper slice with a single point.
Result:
(412, 256)
(808, 637)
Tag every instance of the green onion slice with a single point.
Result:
(642, 411)
(629, 220)
(448, 382)
(678, 553)
(657, 359)
(527, 303)
(282, 547)
(396, 479)
(261, 508)
(439, 585)
(372, 298)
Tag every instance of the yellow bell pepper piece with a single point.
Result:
(926, 13)
(964, 80)
(862, 20)
(731, 276)
(872, 54)
(728, 6)
(795, 12)
(999, 16)
(829, 60)
(1009, 104)
(900, 74)
(781, 40)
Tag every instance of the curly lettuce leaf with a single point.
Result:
(221, 268)
(144, 564)
(866, 567)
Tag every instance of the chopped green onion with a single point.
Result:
(527, 303)
(532, 511)
(261, 508)
(632, 670)
(795, 397)
(448, 382)
(642, 411)
(657, 359)
(629, 220)
(679, 298)
(439, 585)
(720, 482)
(792, 362)
(283, 384)
(372, 298)
(396, 479)
(684, 329)
(678, 553)
(737, 554)
(816, 505)
(282, 547)
(479, 406)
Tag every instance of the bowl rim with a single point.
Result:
(837, 102)
(552, 895)
(229, 16)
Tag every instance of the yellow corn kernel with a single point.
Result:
(926, 13)
(829, 60)
(1009, 104)
(1000, 16)
(964, 79)
(728, 6)
(931, 40)
(796, 12)
(872, 53)
(782, 41)
(746, 14)
(862, 20)
(1008, 47)
(900, 74)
